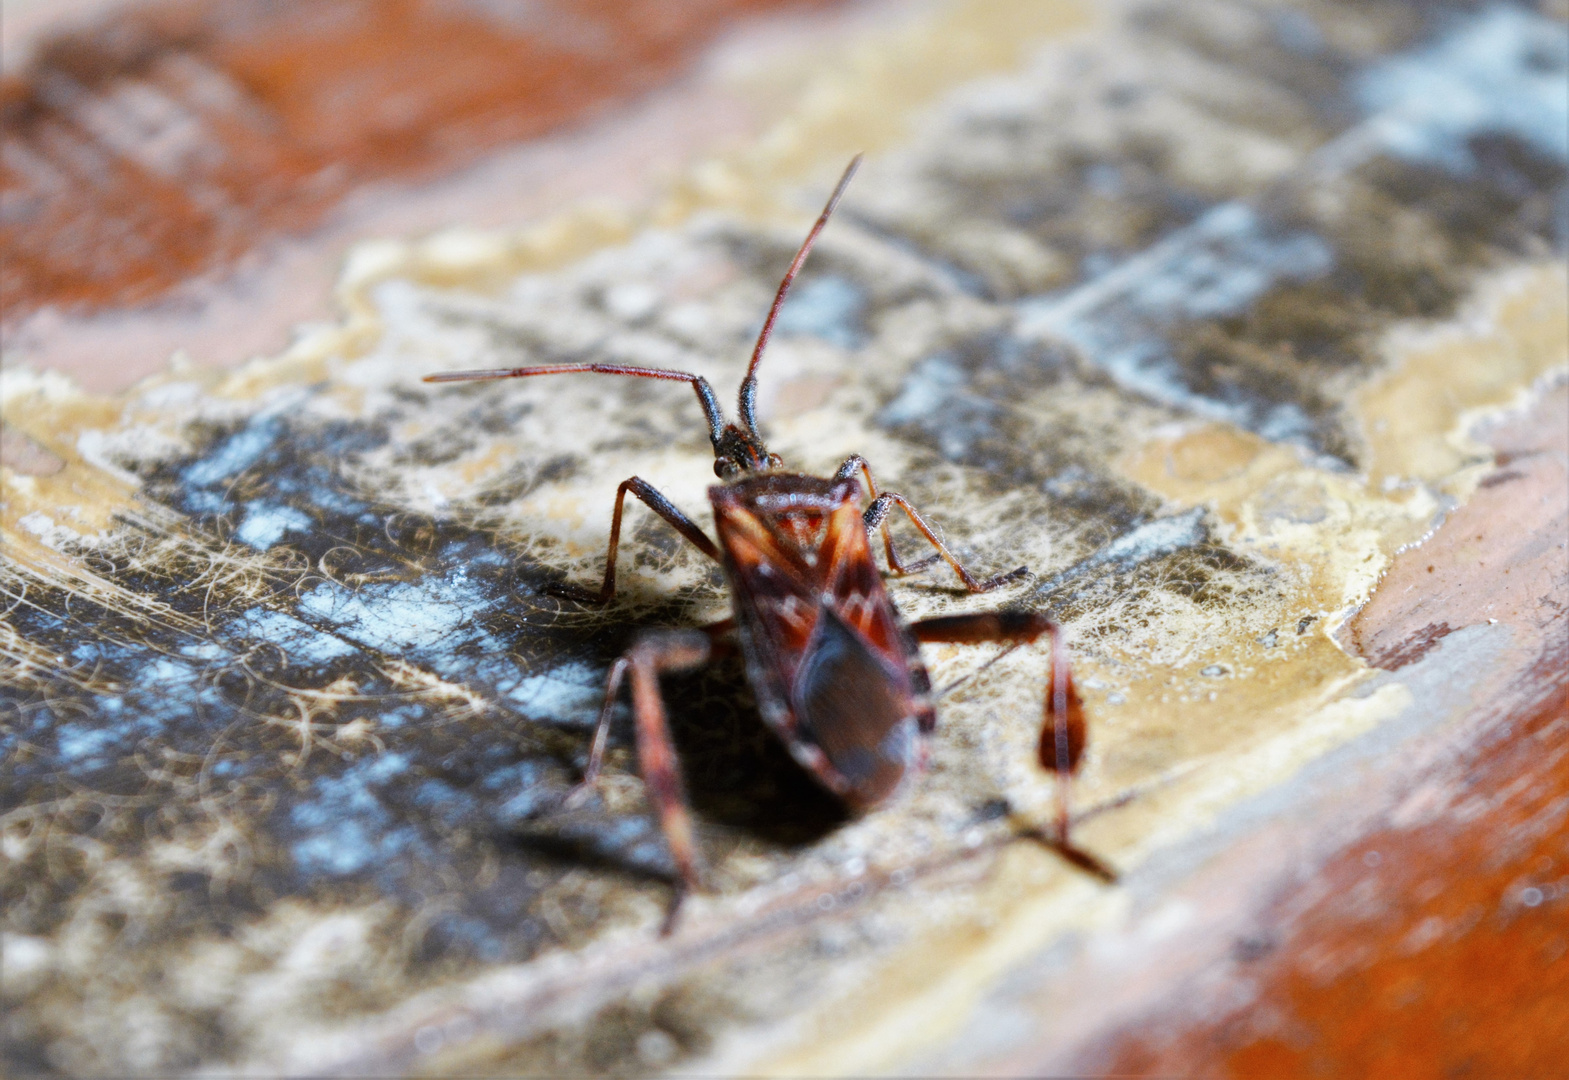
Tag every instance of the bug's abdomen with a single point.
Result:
(858, 708)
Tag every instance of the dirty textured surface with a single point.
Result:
(1244, 325)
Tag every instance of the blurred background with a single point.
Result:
(1242, 320)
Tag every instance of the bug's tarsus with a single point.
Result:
(1072, 854)
(747, 403)
(596, 752)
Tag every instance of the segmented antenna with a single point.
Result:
(748, 402)
(705, 393)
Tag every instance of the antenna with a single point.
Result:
(748, 401)
(705, 393)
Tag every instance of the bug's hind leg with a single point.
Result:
(1063, 731)
(653, 653)
(660, 505)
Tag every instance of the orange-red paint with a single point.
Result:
(1436, 946)
(172, 138)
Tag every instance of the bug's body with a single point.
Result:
(837, 674)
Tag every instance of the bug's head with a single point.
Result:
(738, 451)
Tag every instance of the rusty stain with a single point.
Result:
(1412, 648)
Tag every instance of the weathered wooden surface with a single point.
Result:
(1223, 317)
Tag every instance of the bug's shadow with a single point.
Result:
(738, 772)
(738, 776)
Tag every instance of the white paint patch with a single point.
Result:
(1155, 538)
(239, 451)
(1506, 70)
(1149, 541)
(265, 524)
(398, 617)
(569, 693)
(299, 641)
(1215, 267)
(49, 531)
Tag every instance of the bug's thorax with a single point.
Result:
(797, 513)
(833, 670)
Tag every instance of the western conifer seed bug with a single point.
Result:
(837, 674)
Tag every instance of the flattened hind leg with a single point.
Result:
(1063, 731)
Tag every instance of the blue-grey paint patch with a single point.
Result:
(434, 614)
(160, 697)
(929, 386)
(450, 804)
(1506, 70)
(1139, 545)
(828, 307)
(201, 501)
(237, 453)
(302, 643)
(1298, 33)
(349, 827)
(265, 523)
(936, 396)
(1122, 321)
(76, 742)
(350, 846)
(518, 791)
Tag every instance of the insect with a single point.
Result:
(837, 673)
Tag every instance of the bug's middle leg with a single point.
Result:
(660, 505)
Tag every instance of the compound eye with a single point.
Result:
(775, 461)
(724, 468)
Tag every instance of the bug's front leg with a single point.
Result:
(653, 653)
(660, 505)
(853, 464)
(1063, 731)
(876, 517)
